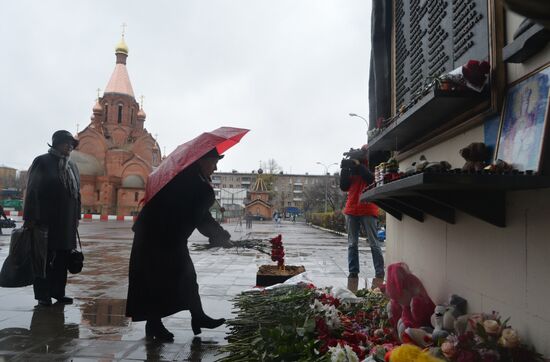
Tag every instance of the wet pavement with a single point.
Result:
(94, 328)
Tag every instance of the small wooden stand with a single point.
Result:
(271, 274)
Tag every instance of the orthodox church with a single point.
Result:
(116, 153)
(259, 206)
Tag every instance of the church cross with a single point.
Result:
(123, 29)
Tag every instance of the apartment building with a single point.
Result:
(287, 190)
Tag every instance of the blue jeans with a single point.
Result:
(353, 224)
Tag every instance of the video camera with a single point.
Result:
(351, 157)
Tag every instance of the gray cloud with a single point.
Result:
(290, 70)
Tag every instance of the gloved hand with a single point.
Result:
(222, 240)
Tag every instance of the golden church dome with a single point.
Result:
(122, 47)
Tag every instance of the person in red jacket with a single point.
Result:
(354, 177)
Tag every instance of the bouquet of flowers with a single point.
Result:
(261, 245)
(486, 339)
(277, 251)
(473, 75)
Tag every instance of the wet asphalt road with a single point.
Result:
(95, 328)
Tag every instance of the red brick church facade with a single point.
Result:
(116, 153)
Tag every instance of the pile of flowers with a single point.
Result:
(300, 322)
(304, 323)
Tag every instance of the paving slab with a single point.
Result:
(95, 328)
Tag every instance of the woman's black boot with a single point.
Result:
(156, 330)
(205, 321)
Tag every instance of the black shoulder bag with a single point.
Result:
(76, 258)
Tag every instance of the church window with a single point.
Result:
(120, 113)
(97, 194)
(136, 196)
(131, 115)
(106, 112)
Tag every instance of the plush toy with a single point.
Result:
(445, 317)
(410, 353)
(457, 307)
(417, 336)
(437, 322)
(424, 165)
(475, 155)
(410, 306)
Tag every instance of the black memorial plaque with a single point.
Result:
(433, 37)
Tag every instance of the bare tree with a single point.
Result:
(314, 198)
(314, 195)
(272, 167)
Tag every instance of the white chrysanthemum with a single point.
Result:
(342, 354)
(350, 354)
(329, 312)
(317, 306)
(337, 354)
(332, 317)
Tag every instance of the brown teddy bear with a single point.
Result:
(475, 155)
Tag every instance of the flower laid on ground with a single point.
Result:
(261, 245)
(342, 354)
(304, 323)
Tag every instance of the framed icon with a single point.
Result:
(523, 125)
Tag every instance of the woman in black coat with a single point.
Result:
(52, 202)
(162, 278)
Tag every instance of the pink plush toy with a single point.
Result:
(410, 306)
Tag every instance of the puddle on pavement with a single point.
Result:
(104, 312)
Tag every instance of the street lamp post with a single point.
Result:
(364, 119)
(326, 180)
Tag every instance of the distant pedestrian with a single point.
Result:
(248, 218)
(3, 214)
(277, 218)
(52, 202)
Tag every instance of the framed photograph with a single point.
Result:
(523, 126)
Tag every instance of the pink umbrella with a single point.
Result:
(222, 139)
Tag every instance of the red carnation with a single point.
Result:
(476, 72)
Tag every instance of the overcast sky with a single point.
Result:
(289, 70)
